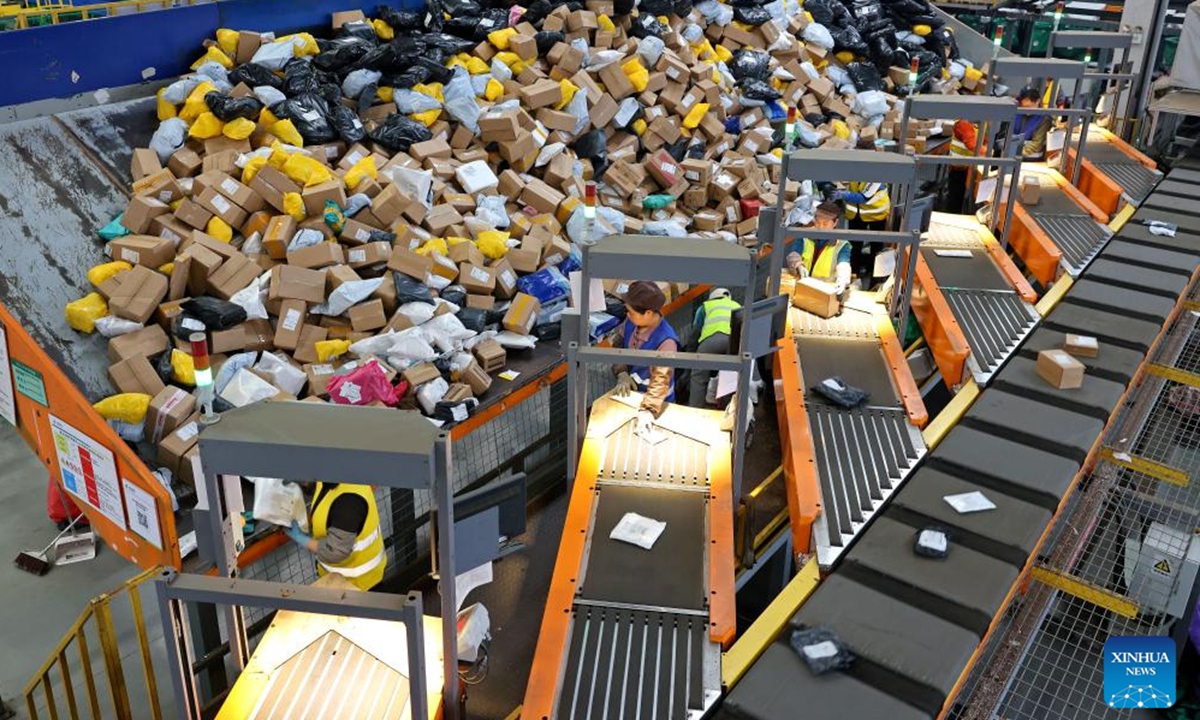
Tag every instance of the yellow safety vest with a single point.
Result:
(877, 206)
(718, 317)
(959, 148)
(365, 565)
(824, 265)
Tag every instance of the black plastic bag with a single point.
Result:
(473, 318)
(401, 20)
(300, 77)
(342, 54)
(821, 649)
(455, 411)
(164, 369)
(865, 77)
(867, 13)
(309, 113)
(657, 7)
(221, 405)
(821, 11)
(932, 542)
(816, 119)
(751, 15)
(366, 98)
(848, 39)
(456, 294)
(216, 314)
(548, 331)
(681, 8)
(229, 108)
(255, 76)
(357, 30)
(349, 128)
(646, 25)
(679, 149)
(622, 7)
(593, 146)
(447, 45)
(399, 132)
(185, 324)
(381, 236)
(410, 290)
(840, 393)
(755, 89)
(458, 8)
(754, 64)
(394, 56)
(881, 52)
(547, 39)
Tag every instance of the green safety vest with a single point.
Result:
(718, 317)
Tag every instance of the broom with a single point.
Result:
(37, 563)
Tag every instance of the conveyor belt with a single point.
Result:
(678, 460)
(1079, 237)
(994, 323)
(851, 323)
(858, 362)
(1135, 179)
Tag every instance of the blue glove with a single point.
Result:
(297, 535)
(837, 195)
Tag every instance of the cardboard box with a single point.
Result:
(336, 275)
(466, 252)
(556, 251)
(306, 350)
(193, 214)
(169, 227)
(522, 314)
(477, 279)
(458, 392)
(389, 205)
(1031, 190)
(616, 82)
(315, 257)
(228, 340)
(135, 375)
(147, 342)
(525, 260)
(1060, 369)
(233, 276)
(506, 278)
(441, 217)
(367, 316)
(145, 250)
(160, 185)
(224, 162)
(541, 197)
(271, 185)
(174, 447)
(542, 93)
(663, 168)
(280, 231)
(144, 163)
(315, 196)
(140, 213)
(481, 302)
(816, 297)
(1081, 345)
(373, 254)
(202, 263)
(168, 410)
(490, 355)
(475, 376)
(319, 375)
(347, 16)
(292, 314)
(166, 312)
(138, 293)
(356, 233)
(409, 263)
(184, 162)
(222, 207)
(296, 283)
(421, 373)
(498, 126)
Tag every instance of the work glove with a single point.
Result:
(837, 195)
(625, 385)
(297, 535)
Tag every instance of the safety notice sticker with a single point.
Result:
(8, 404)
(89, 471)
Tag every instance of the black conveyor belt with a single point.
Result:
(1135, 179)
(1178, 188)
(977, 272)
(858, 362)
(1173, 204)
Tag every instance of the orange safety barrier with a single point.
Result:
(123, 501)
(942, 333)
(910, 394)
(1099, 188)
(722, 568)
(801, 485)
(1010, 271)
(1034, 246)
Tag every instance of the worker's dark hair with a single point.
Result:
(829, 209)
(1030, 92)
(645, 296)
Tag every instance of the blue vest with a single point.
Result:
(1027, 125)
(662, 333)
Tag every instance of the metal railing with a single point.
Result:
(20, 19)
(96, 618)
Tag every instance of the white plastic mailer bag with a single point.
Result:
(638, 530)
(279, 502)
(246, 388)
(286, 376)
(431, 393)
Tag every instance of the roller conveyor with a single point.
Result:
(1063, 228)
(1132, 171)
(987, 298)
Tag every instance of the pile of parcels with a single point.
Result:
(379, 217)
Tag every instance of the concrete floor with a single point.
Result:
(39, 610)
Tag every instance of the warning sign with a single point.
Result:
(1163, 567)
(89, 471)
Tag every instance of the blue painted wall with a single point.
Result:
(64, 60)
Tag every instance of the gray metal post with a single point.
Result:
(573, 438)
(417, 680)
(179, 651)
(444, 488)
(778, 233)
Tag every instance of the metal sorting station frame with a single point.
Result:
(309, 442)
(935, 636)
(631, 632)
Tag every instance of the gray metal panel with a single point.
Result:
(1049, 68)
(1038, 424)
(1135, 179)
(849, 165)
(667, 259)
(966, 587)
(369, 441)
(1107, 327)
(975, 108)
(994, 323)
(632, 665)
(1096, 397)
(1178, 261)
(670, 575)
(112, 131)
(1079, 237)
(779, 683)
(1091, 39)
(1112, 362)
(1014, 468)
(908, 653)
(1157, 282)
(1105, 296)
(1181, 174)
(858, 362)
(1010, 532)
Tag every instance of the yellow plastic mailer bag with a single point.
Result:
(253, 165)
(293, 205)
(329, 349)
(845, 57)
(306, 170)
(428, 117)
(362, 169)
(227, 40)
(840, 129)
(382, 29)
(500, 38)
(605, 23)
(493, 244)
(126, 407)
(494, 90)
(433, 90)
(639, 126)
(183, 368)
(922, 30)
(386, 93)
(83, 313)
(195, 105)
(695, 116)
(437, 245)
(219, 229)
(238, 129)
(267, 118)
(476, 66)
(723, 53)
(638, 75)
(286, 131)
(165, 110)
(167, 268)
(98, 274)
(279, 156)
(213, 54)
(206, 126)
(568, 92)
